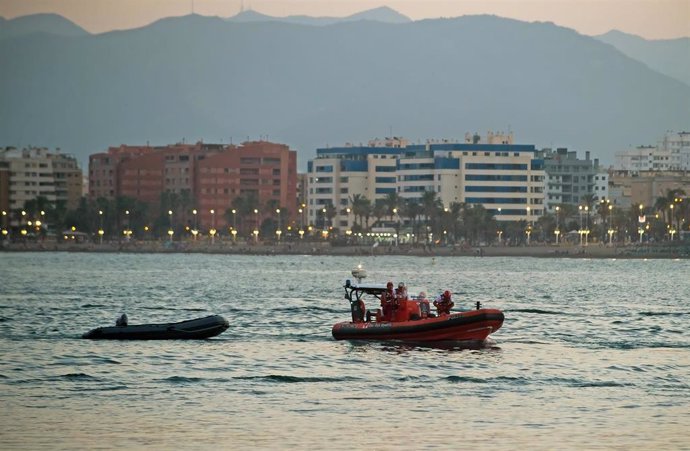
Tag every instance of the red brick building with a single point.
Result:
(104, 169)
(265, 170)
(210, 176)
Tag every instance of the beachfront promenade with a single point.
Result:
(633, 250)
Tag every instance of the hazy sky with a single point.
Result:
(652, 19)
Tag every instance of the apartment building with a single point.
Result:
(205, 177)
(104, 169)
(671, 153)
(569, 179)
(263, 170)
(630, 188)
(340, 174)
(507, 179)
(29, 173)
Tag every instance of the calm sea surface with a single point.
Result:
(594, 354)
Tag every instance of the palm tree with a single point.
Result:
(329, 212)
(185, 202)
(379, 210)
(431, 205)
(683, 212)
(661, 204)
(412, 210)
(455, 217)
(673, 198)
(244, 206)
(477, 220)
(393, 202)
(361, 208)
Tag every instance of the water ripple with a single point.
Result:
(582, 340)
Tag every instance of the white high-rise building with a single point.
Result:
(672, 153)
(507, 179)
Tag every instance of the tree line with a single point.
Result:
(425, 220)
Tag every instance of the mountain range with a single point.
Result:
(316, 84)
(667, 56)
(382, 14)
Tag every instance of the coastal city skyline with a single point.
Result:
(663, 19)
(253, 190)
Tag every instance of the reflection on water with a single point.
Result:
(421, 346)
(592, 354)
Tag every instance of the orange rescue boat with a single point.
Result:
(411, 319)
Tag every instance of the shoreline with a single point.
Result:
(665, 251)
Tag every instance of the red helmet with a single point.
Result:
(446, 294)
(389, 285)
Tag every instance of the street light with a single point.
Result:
(586, 231)
(171, 232)
(557, 232)
(195, 230)
(256, 230)
(397, 226)
(234, 225)
(126, 231)
(5, 231)
(301, 220)
(641, 219)
(529, 224)
(212, 232)
(581, 230)
(278, 231)
(100, 227)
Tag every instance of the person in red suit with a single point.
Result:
(443, 303)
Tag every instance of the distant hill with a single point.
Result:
(39, 23)
(670, 56)
(205, 78)
(383, 14)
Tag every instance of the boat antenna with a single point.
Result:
(359, 273)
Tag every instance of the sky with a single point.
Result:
(650, 19)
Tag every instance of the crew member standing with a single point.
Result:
(387, 302)
(443, 303)
(400, 307)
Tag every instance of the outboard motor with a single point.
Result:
(479, 305)
(358, 309)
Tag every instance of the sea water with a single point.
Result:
(593, 354)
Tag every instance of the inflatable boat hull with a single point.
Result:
(199, 328)
(473, 325)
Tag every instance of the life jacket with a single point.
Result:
(444, 305)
